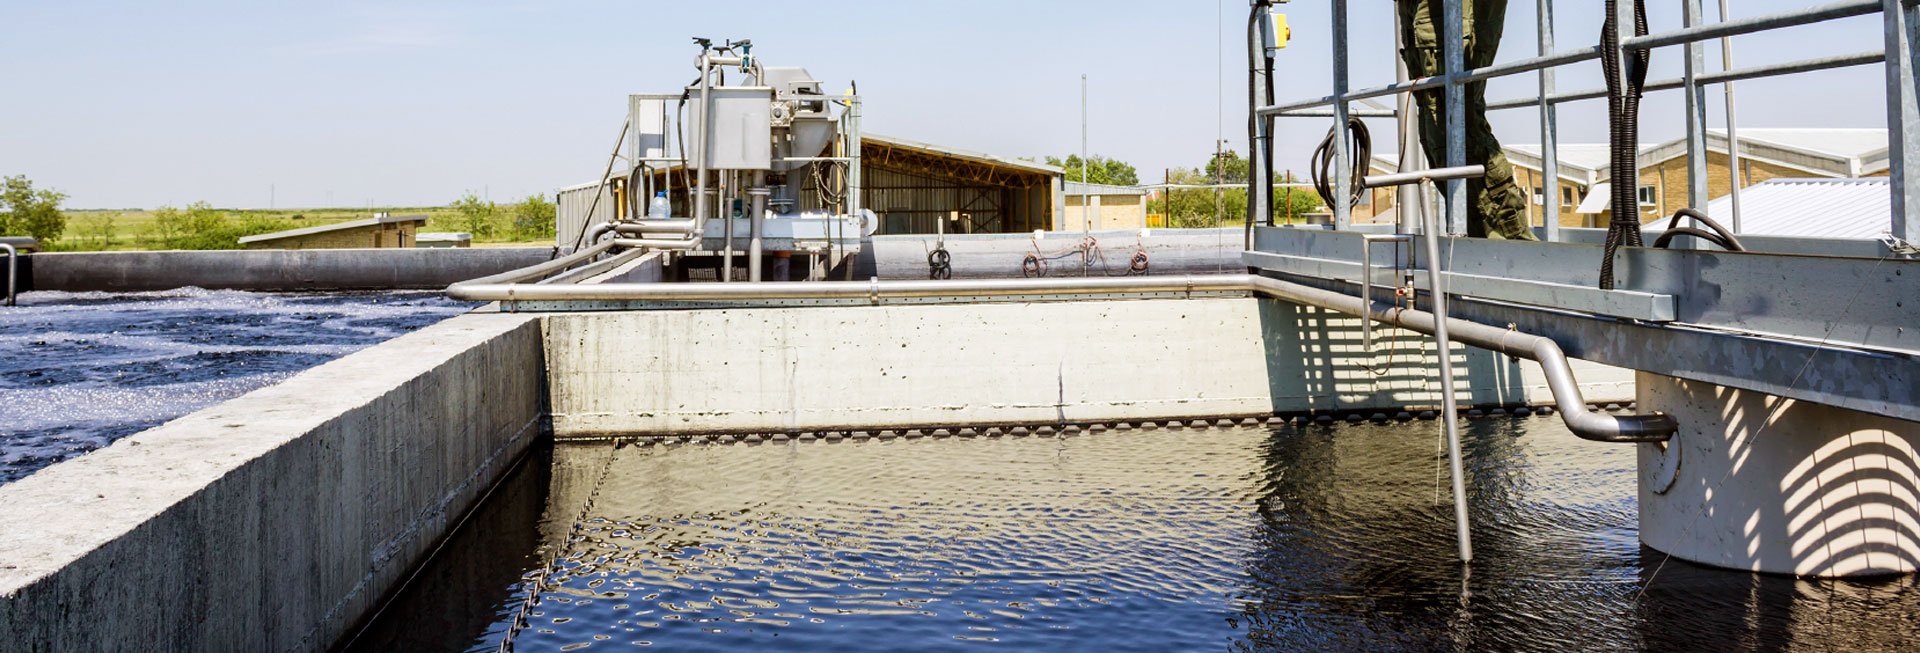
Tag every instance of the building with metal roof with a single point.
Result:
(379, 231)
(909, 184)
(1860, 208)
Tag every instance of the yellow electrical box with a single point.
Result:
(1281, 31)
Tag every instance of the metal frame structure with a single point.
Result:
(1903, 98)
(1750, 332)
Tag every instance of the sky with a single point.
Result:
(251, 104)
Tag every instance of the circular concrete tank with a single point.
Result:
(1773, 485)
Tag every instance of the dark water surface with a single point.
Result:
(80, 370)
(1284, 538)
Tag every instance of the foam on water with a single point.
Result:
(80, 370)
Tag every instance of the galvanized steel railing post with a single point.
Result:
(1736, 178)
(1698, 192)
(13, 270)
(1903, 118)
(1343, 162)
(1453, 40)
(1406, 198)
(1549, 131)
(1260, 127)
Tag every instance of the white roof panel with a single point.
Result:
(1815, 208)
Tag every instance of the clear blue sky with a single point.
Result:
(131, 104)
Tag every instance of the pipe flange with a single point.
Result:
(1661, 466)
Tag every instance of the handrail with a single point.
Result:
(1900, 55)
(13, 269)
(1761, 23)
(1560, 379)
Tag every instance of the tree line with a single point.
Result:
(1197, 207)
(37, 212)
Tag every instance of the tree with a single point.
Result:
(1195, 207)
(1234, 168)
(533, 218)
(1112, 172)
(476, 215)
(35, 213)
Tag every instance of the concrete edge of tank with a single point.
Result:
(277, 520)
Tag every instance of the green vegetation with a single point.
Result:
(28, 212)
(1196, 207)
(1103, 170)
(202, 226)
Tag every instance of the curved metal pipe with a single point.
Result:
(536, 271)
(668, 226)
(598, 230)
(1572, 406)
(657, 243)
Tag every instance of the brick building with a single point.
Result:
(1585, 173)
(382, 230)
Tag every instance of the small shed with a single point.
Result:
(380, 231)
(1113, 207)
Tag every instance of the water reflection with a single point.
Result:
(1244, 539)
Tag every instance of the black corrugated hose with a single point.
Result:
(1623, 126)
(1359, 154)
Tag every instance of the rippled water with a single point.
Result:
(80, 370)
(1287, 538)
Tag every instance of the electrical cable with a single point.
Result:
(1359, 149)
(1721, 235)
(1625, 79)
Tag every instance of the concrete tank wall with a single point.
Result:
(1760, 483)
(999, 256)
(278, 520)
(901, 366)
(318, 269)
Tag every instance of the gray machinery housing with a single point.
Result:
(737, 154)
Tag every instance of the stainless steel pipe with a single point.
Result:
(657, 243)
(1560, 379)
(668, 226)
(1566, 392)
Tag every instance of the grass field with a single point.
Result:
(135, 229)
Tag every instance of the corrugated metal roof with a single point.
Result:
(1077, 188)
(356, 224)
(1586, 156)
(1034, 166)
(1815, 208)
(1846, 143)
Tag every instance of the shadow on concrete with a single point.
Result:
(1316, 361)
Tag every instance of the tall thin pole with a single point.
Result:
(1733, 130)
(1549, 131)
(1454, 38)
(1086, 192)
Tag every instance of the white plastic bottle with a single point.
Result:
(660, 208)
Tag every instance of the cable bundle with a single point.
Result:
(1623, 126)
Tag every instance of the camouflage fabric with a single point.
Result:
(1496, 207)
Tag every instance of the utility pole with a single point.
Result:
(1219, 176)
(1086, 192)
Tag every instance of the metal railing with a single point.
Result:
(1900, 18)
